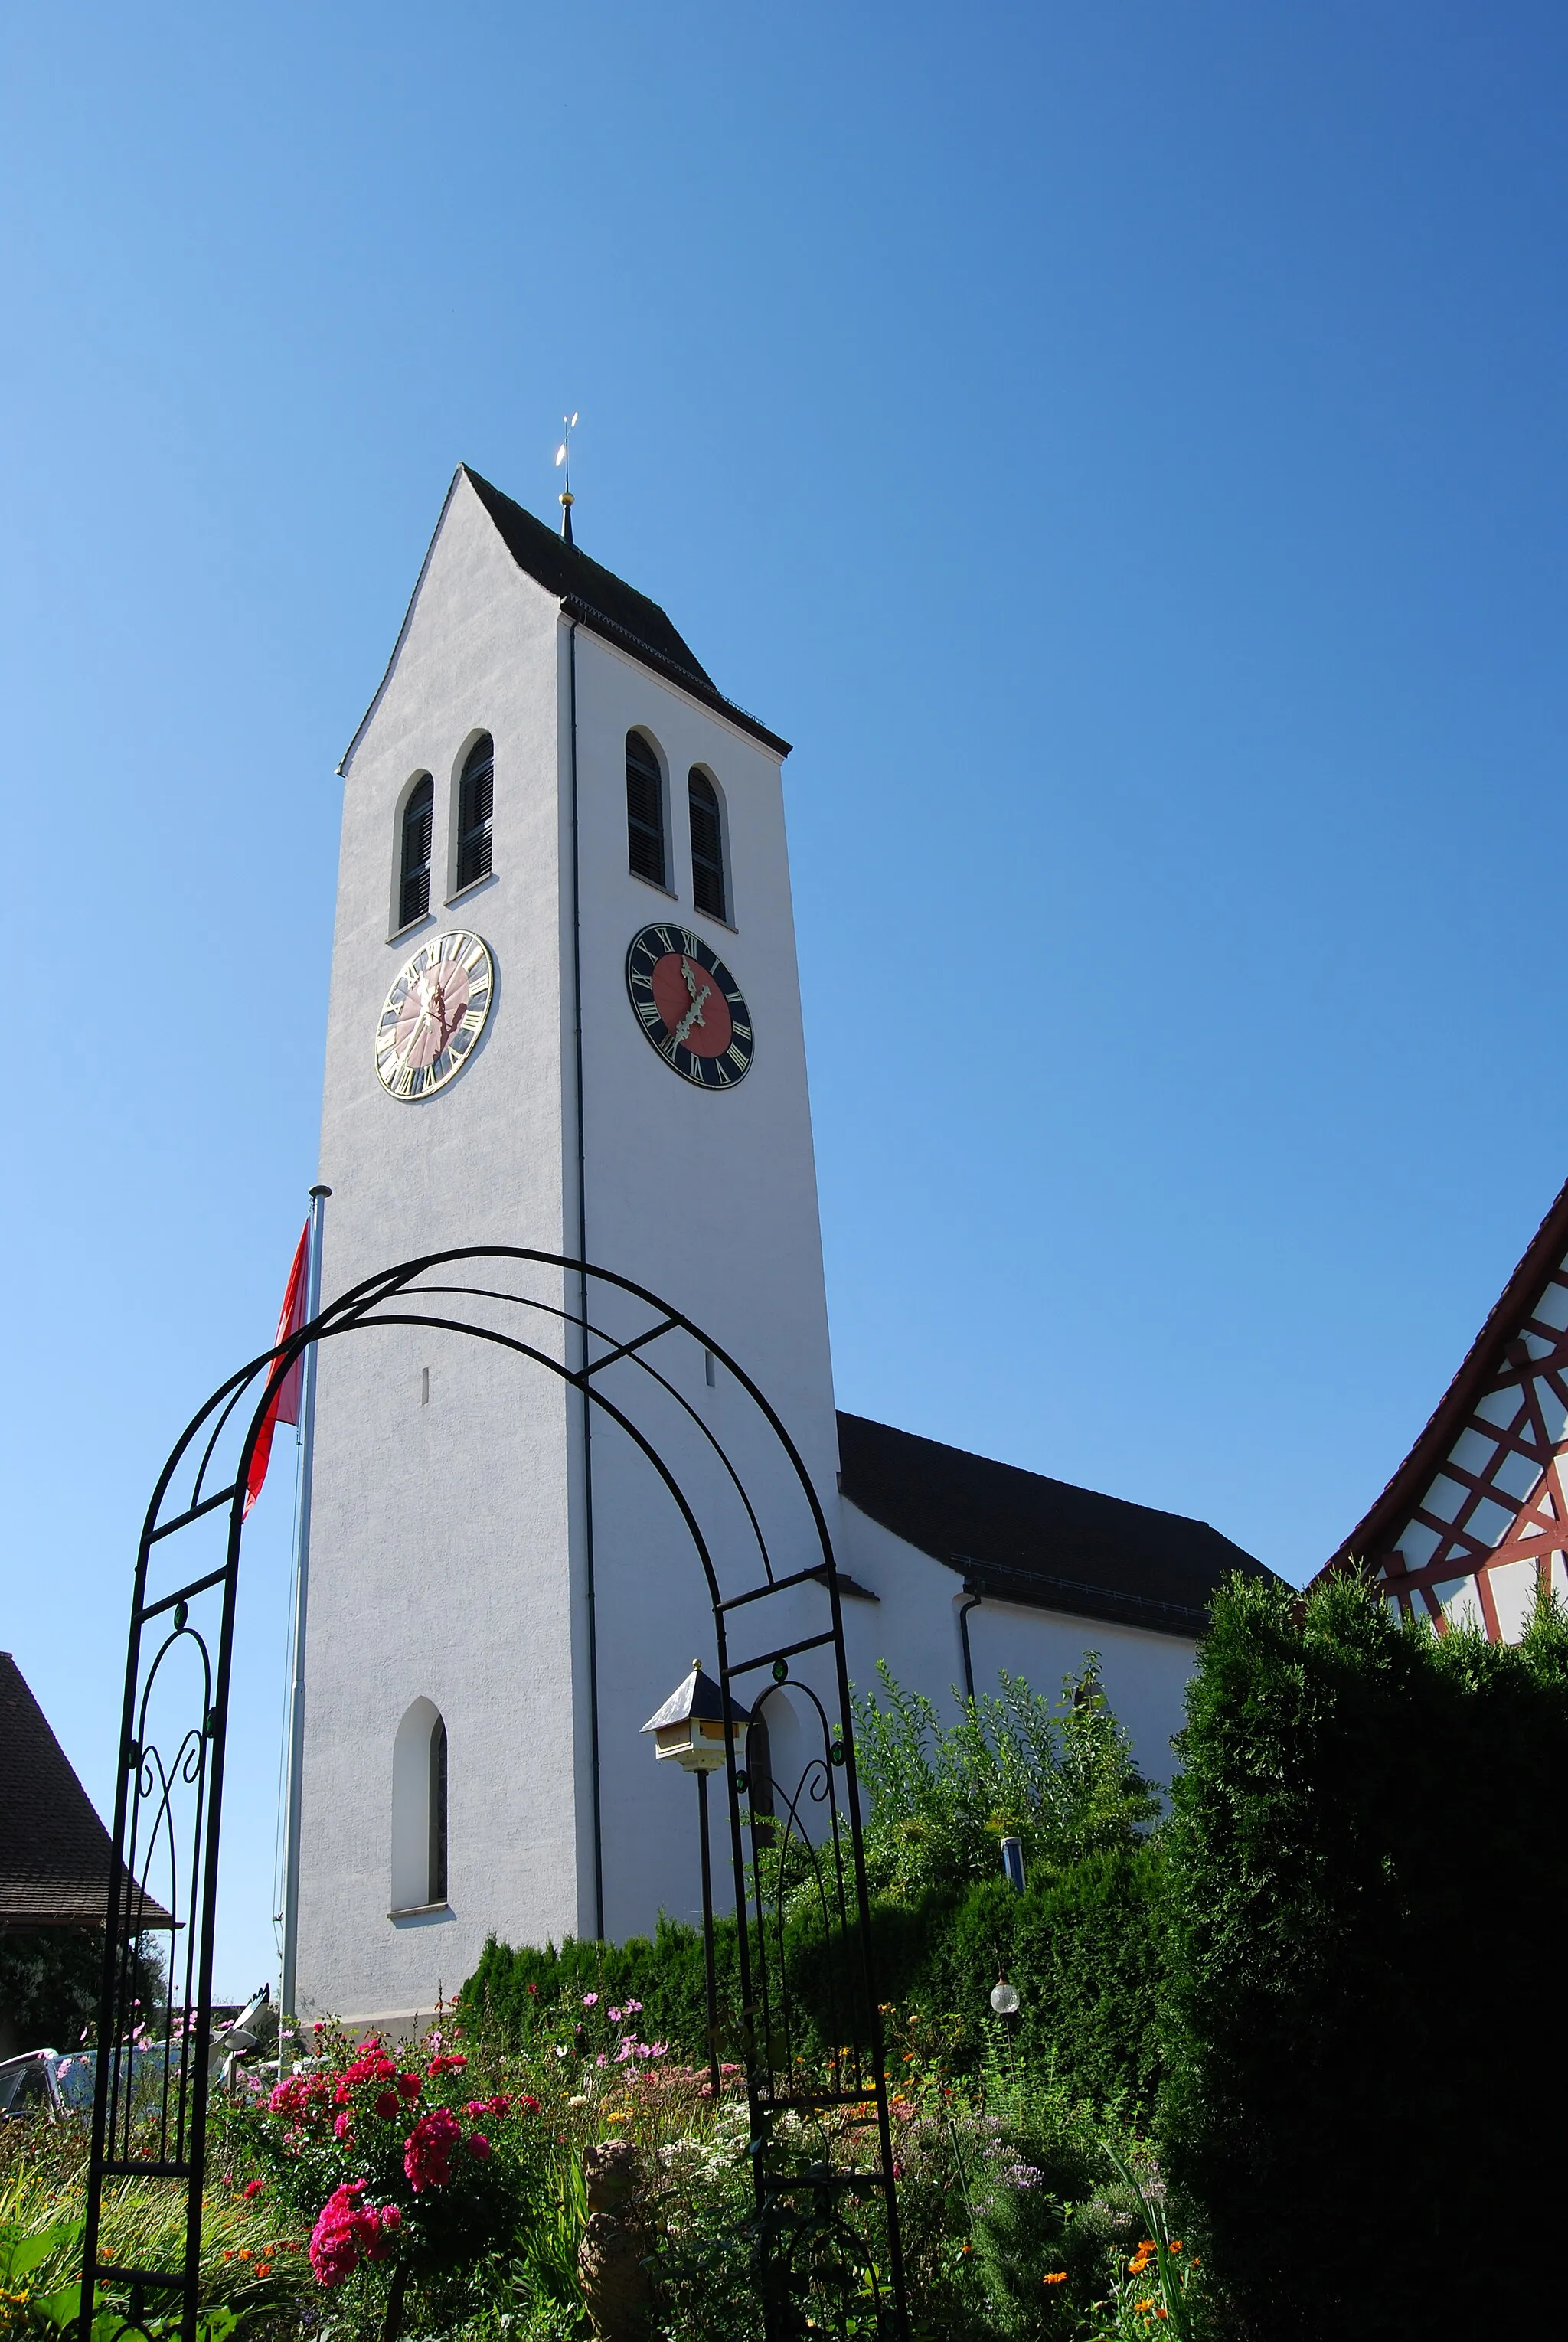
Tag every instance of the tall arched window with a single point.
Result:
(414, 865)
(644, 810)
(419, 1809)
(475, 801)
(438, 1812)
(707, 844)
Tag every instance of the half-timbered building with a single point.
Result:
(1474, 1522)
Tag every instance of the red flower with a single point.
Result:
(334, 2247)
(387, 2104)
(427, 2157)
(410, 2085)
(252, 2188)
(445, 2066)
(342, 2127)
(478, 2144)
(529, 2105)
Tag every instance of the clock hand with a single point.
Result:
(690, 979)
(422, 1019)
(694, 1014)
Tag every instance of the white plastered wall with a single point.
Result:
(444, 1563)
(914, 1626)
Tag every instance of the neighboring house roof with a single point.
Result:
(1018, 1537)
(54, 1853)
(1483, 1492)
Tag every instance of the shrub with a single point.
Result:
(516, 1995)
(1368, 1884)
(1059, 1775)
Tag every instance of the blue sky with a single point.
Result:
(1122, 446)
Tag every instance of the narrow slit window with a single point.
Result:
(437, 1813)
(707, 846)
(475, 804)
(760, 1780)
(644, 810)
(414, 879)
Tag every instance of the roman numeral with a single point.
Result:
(736, 1057)
(649, 1013)
(745, 1031)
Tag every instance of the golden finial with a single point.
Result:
(564, 466)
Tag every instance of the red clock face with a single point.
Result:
(690, 1007)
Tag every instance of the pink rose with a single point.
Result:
(427, 2157)
(479, 2144)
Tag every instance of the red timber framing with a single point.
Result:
(1484, 1488)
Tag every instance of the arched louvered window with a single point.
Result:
(707, 844)
(475, 801)
(437, 1812)
(644, 810)
(414, 866)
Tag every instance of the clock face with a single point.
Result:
(690, 1007)
(434, 1015)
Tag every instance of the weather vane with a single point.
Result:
(564, 466)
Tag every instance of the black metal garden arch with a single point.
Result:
(827, 2223)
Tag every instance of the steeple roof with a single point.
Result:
(606, 604)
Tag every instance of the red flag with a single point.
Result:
(285, 1407)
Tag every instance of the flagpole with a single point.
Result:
(318, 1196)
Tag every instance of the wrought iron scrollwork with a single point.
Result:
(826, 2226)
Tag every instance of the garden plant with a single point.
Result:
(1225, 2072)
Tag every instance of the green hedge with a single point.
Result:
(514, 1994)
(1368, 1895)
(1081, 1949)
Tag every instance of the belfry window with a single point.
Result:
(414, 868)
(707, 844)
(475, 802)
(644, 810)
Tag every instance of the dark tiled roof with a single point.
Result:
(606, 604)
(54, 1851)
(1018, 1537)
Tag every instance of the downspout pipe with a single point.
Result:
(972, 1601)
(593, 1624)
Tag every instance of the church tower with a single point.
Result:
(565, 1013)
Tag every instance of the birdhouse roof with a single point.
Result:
(700, 1697)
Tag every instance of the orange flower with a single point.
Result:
(1143, 2304)
(243, 2254)
(1162, 2313)
(1175, 2245)
(228, 2257)
(263, 2268)
(1054, 2277)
